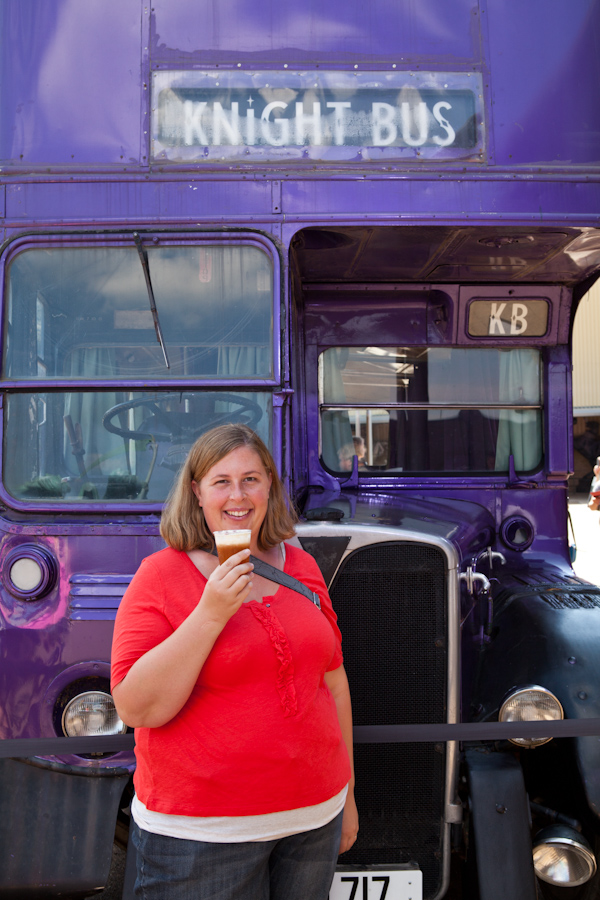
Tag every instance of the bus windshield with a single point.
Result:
(437, 409)
(80, 317)
(83, 313)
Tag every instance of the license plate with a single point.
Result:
(377, 884)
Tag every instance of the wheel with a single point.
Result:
(174, 426)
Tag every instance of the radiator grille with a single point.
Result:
(391, 603)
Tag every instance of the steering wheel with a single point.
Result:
(175, 426)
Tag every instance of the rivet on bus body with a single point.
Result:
(582, 695)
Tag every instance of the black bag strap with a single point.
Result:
(279, 577)
(273, 574)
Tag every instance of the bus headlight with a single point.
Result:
(91, 713)
(531, 704)
(563, 857)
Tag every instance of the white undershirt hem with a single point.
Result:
(237, 829)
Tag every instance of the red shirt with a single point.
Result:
(259, 732)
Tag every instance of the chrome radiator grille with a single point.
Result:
(391, 601)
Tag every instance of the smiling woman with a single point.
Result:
(235, 492)
(210, 472)
(253, 673)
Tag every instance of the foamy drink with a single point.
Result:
(230, 542)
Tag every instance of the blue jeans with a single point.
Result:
(299, 867)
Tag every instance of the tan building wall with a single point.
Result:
(586, 389)
(586, 355)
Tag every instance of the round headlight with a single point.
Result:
(29, 571)
(563, 857)
(531, 704)
(91, 713)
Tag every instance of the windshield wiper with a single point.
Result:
(144, 261)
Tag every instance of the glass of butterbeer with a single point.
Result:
(230, 542)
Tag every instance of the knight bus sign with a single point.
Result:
(203, 116)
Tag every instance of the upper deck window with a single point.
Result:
(440, 409)
(84, 313)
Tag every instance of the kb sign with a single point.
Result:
(508, 318)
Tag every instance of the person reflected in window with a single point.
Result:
(347, 452)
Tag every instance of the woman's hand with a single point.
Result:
(349, 823)
(227, 588)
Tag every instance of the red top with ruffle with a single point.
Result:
(260, 732)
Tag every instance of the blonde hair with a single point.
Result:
(183, 525)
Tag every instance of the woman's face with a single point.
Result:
(235, 492)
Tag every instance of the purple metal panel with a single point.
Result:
(559, 414)
(545, 79)
(71, 82)
(192, 201)
(345, 33)
(86, 555)
(75, 85)
(306, 201)
(442, 199)
(47, 645)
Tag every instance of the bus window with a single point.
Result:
(446, 410)
(83, 313)
(81, 317)
(102, 446)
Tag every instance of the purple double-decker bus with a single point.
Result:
(362, 228)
